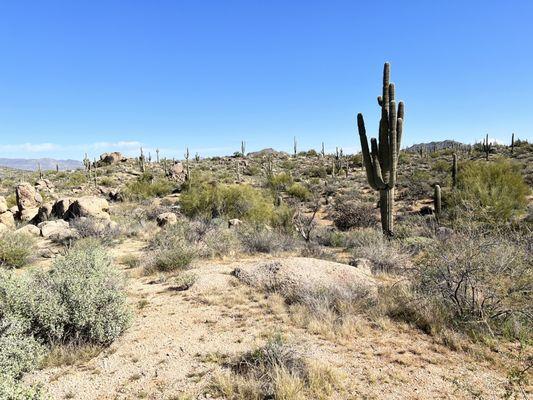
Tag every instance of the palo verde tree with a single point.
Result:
(381, 160)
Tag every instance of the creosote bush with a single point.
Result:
(147, 186)
(489, 191)
(16, 249)
(208, 200)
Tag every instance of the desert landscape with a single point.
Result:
(250, 200)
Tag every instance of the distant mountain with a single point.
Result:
(444, 144)
(29, 164)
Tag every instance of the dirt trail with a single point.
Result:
(178, 339)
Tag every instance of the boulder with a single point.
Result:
(29, 229)
(233, 223)
(296, 278)
(44, 185)
(110, 158)
(88, 206)
(177, 172)
(44, 213)
(3, 204)
(27, 197)
(50, 228)
(28, 214)
(167, 218)
(61, 206)
(7, 219)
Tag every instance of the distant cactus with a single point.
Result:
(187, 168)
(141, 161)
(40, 171)
(157, 155)
(197, 157)
(243, 148)
(323, 151)
(487, 147)
(381, 162)
(437, 201)
(295, 147)
(454, 170)
(512, 143)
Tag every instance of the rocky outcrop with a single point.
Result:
(110, 158)
(28, 201)
(297, 277)
(88, 206)
(167, 218)
(61, 206)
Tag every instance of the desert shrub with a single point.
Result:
(228, 201)
(299, 191)
(316, 172)
(481, 283)
(147, 186)
(276, 370)
(170, 259)
(18, 352)
(489, 191)
(384, 254)
(80, 299)
(349, 214)
(441, 166)
(258, 239)
(75, 178)
(279, 181)
(11, 389)
(16, 249)
(105, 230)
(107, 181)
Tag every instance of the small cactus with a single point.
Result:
(437, 201)
(454, 170)
(487, 147)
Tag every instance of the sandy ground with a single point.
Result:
(178, 339)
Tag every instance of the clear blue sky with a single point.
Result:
(100, 75)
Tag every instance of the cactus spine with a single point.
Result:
(437, 201)
(382, 160)
(454, 170)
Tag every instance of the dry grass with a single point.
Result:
(276, 371)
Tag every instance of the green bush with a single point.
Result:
(489, 191)
(16, 249)
(280, 181)
(10, 389)
(80, 299)
(228, 201)
(299, 191)
(147, 186)
(174, 258)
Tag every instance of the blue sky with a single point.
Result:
(95, 75)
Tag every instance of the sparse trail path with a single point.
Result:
(178, 339)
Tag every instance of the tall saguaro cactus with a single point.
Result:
(381, 160)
